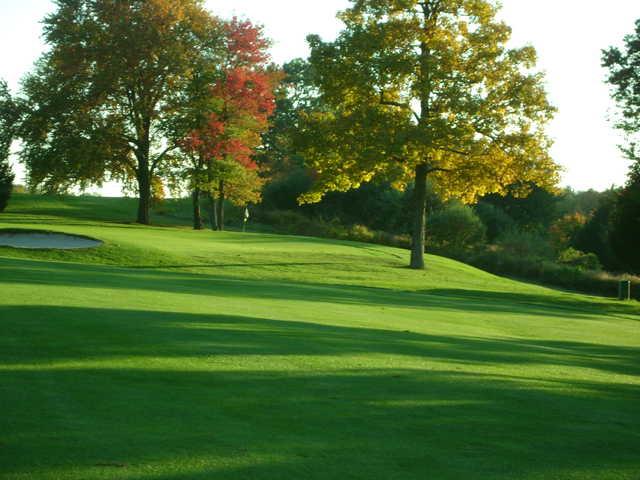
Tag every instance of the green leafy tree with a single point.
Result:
(624, 78)
(595, 235)
(6, 184)
(101, 98)
(415, 89)
(625, 225)
(9, 115)
(533, 212)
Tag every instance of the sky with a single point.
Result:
(568, 35)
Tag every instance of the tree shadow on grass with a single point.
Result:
(254, 398)
(138, 333)
(568, 307)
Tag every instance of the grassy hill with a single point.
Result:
(172, 354)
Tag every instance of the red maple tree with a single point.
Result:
(244, 99)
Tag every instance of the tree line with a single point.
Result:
(422, 97)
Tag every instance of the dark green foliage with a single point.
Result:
(455, 228)
(9, 114)
(576, 258)
(624, 78)
(585, 203)
(571, 277)
(282, 192)
(594, 237)
(297, 223)
(376, 205)
(6, 184)
(533, 212)
(526, 244)
(625, 230)
(495, 219)
(295, 93)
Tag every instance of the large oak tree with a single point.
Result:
(414, 89)
(100, 99)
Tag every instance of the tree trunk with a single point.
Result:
(143, 173)
(221, 206)
(197, 214)
(144, 188)
(213, 212)
(420, 220)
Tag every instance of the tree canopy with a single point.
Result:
(101, 98)
(624, 78)
(231, 118)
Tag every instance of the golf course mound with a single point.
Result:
(36, 239)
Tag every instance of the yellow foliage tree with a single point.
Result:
(415, 89)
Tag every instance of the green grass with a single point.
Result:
(171, 354)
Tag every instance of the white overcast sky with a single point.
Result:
(568, 34)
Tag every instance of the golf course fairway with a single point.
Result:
(169, 354)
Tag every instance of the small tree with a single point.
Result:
(456, 228)
(419, 88)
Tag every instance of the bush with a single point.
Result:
(525, 245)
(6, 184)
(581, 260)
(291, 222)
(455, 228)
(550, 273)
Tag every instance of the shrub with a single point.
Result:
(454, 228)
(550, 273)
(525, 245)
(581, 260)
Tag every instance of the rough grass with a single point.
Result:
(171, 354)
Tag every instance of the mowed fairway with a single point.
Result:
(172, 354)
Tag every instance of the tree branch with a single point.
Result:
(157, 160)
(453, 150)
(405, 106)
(438, 169)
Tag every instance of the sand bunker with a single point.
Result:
(45, 240)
